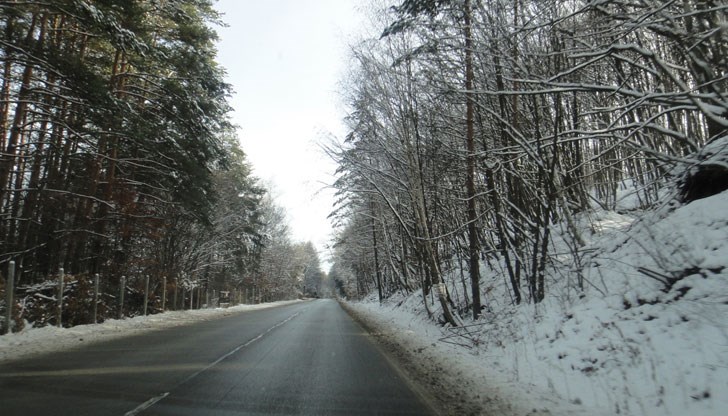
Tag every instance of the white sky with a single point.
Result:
(284, 59)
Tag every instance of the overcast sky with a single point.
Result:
(284, 59)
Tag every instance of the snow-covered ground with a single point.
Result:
(33, 341)
(647, 336)
(480, 380)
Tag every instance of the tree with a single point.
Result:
(479, 129)
(312, 275)
(112, 116)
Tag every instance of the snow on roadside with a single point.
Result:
(628, 344)
(34, 341)
(487, 379)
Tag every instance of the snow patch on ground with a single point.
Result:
(646, 336)
(34, 341)
(478, 380)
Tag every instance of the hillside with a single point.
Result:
(647, 336)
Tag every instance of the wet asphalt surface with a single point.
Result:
(307, 358)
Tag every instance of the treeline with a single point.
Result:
(118, 157)
(479, 128)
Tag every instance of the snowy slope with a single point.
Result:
(647, 336)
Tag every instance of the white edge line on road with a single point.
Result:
(151, 402)
(146, 405)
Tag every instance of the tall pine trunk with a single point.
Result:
(473, 246)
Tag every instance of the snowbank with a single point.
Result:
(647, 336)
(466, 379)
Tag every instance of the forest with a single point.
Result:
(530, 194)
(480, 129)
(119, 160)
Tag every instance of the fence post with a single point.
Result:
(122, 290)
(9, 291)
(146, 293)
(175, 293)
(59, 308)
(164, 293)
(96, 296)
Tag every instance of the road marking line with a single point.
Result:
(154, 400)
(146, 405)
(236, 349)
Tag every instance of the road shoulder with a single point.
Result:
(443, 388)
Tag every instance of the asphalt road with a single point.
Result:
(307, 358)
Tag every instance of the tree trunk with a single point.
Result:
(376, 252)
(473, 247)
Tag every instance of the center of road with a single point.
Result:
(151, 402)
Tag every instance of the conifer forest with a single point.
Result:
(119, 159)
